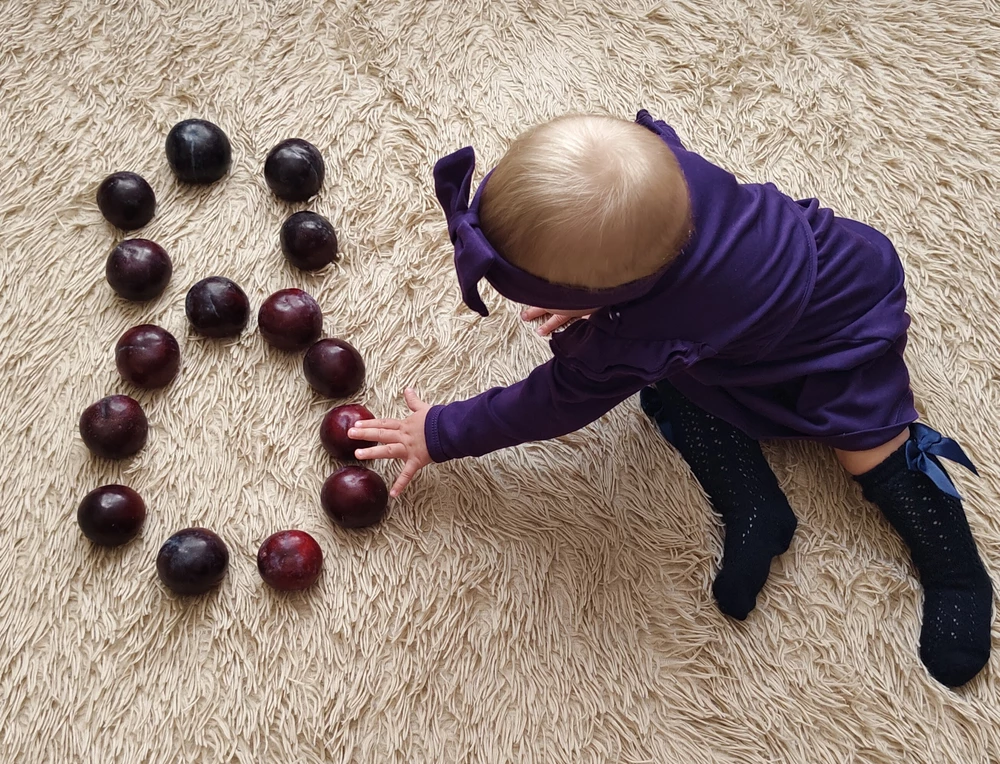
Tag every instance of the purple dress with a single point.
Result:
(778, 317)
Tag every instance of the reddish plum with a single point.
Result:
(148, 356)
(290, 560)
(115, 427)
(355, 497)
(309, 241)
(111, 515)
(192, 561)
(290, 320)
(334, 427)
(138, 269)
(198, 151)
(294, 170)
(334, 368)
(126, 200)
(217, 307)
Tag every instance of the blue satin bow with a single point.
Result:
(925, 444)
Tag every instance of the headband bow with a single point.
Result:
(475, 257)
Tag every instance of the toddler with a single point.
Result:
(737, 313)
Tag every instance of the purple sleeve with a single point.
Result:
(553, 400)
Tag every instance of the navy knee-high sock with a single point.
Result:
(958, 595)
(741, 487)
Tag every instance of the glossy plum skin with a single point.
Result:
(294, 170)
(126, 200)
(308, 241)
(138, 269)
(290, 560)
(290, 319)
(333, 430)
(115, 427)
(198, 151)
(148, 356)
(217, 307)
(192, 561)
(355, 497)
(111, 515)
(334, 368)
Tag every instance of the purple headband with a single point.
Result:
(475, 257)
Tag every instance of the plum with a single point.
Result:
(192, 561)
(334, 368)
(290, 319)
(309, 241)
(333, 430)
(126, 200)
(111, 515)
(148, 356)
(355, 497)
(294, 170)
(115, 427)
(198, 151)
(138, 269)
(217, 307)
(290, 560)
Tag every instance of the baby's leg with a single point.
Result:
(927, 513)
(741, 487)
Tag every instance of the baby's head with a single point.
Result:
(587, 201)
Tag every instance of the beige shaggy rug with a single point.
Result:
(546, 604)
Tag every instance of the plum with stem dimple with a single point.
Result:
(138, 269)
(198, 151)
(126, 200)
(192, 561)
(148, 356)
(115, 427)
(217, 307)
(111, 515)
(290, 319)
(290, 560)
(334, 368)
(294, 170)
(308, 241)
(355, 497)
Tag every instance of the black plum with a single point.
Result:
(138, 269)
(217, 307)
(192, 561)
(111, 515)
(148, 356)
(126, 200)
(290, 320)
(334, 368)
(115, 427)
(198, 151)
(355, 497)
(309, 241)
(333, 430)
(294, 170)
(290, 560)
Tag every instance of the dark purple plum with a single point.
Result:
(334, 368)
(198, 151)
(138, 269)
(192, 561)
(333, 430)
(290, 320)
(148, 356)
(309, 241)
(355, 497)
(290, 560)
(111, 515)
(294, 170)
(115, 427)
(126, 200)
(217, 307)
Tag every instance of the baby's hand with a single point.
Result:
(400, 439)
(553, 322)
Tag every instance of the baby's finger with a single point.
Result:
(532, 313)
(388, 424)
(405, 476)
(377, 452)
(412, 400)
(378, 434)
(551, 325)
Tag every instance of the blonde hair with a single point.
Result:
(587, 201)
